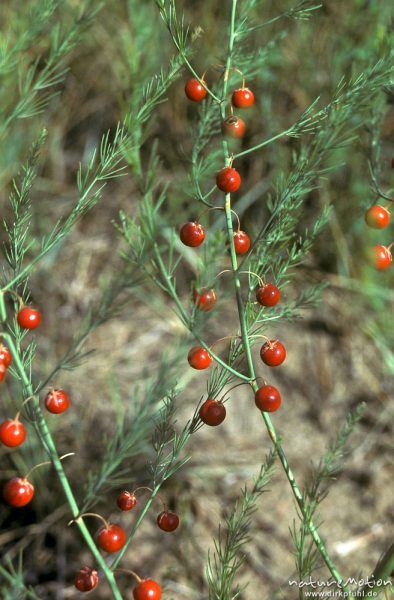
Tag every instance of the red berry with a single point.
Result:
(12, 433)
(199, 358)
(242, 98)
(205, 300)
(377, 217)
(111, 538)
(228, 180)
(5, 356)
(268, 398)
(126, 500)
(233, 127)
(18, 491)
(192, 234)
(86, 579)
(268, 295)
(273, 353)
(168, 521)
(57, 401)
(212, 412)
(241, 242)
(381, 257)
(29, 318)
(392, 162)
(147, 589)
(3, 372)
(194, 90)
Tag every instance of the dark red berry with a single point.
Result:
(268, 398)
(199, 358)
(111, 538)
(241, 242)
(57, 401)
(12, 433)
(86, 579)
(192, 234)
(228, 180)
(268, 295)
(126, 500)
(242, 98)
(29, 318)
(377, 217)
(273, 353)
(147, 589)
(392, 164)
(212, 412)
(380, 257)
(233, 127)
(18, 491)
(205, 300)
(5, 356)
(168, 521)
(194, 90)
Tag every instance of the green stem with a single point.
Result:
(29, 593)
(245, 337)
(48, 443)
(264, 143)
(382, 571)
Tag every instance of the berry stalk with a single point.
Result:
(245, 338)
(48, 443)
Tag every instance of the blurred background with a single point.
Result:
(339, 353)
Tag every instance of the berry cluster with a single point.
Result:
(228, 180)
(378, 217)
(111, 538)
(19, 491)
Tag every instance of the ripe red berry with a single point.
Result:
(126, 500)
(268, 398)
(194, 90)
(18, 491)
(5, 356)
(111, 538)
(241, 242)
(212, 412)
(86, 579)
(205, 300)
(3, 372)
(273, 353)
(199, 358)
(377, 217)
(12, 433)
(57, 401)
(147, 589)
(233, 127)
(29, 318)
(228, 180)
(268, 294)
(192, 234)
(381, 257)
(168, 521)
(242, 98)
